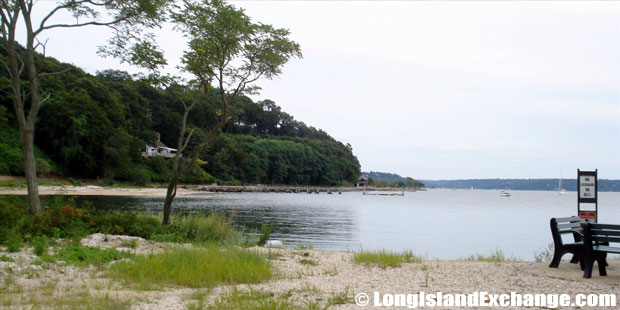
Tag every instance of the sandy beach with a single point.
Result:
(329, 274)
(98, 190)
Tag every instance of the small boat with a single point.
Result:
(504, 193)
(561, 191)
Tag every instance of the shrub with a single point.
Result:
(14, 243)
(42, 166)
(40, 244)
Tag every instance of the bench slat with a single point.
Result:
(604, 232)
(568, 219)
(569, 225)
(604, 248)
(605, 239)
(604, 226)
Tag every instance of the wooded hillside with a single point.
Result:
(96, 126)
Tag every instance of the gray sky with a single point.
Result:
(441, 90)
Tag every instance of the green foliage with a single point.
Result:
(280, 160)
(205, 266)
(86, 256)
(96, 126)
(265, 232)
(14, 242)
(340, 298)
(198, 228)
(383, 258)
(252, 300)
(75, 182)
(494, 257)
(4, 258)
(40, 245)
(62, 218)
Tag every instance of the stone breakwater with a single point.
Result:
(291, 189)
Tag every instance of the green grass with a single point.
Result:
(307, 262)
(340, 298)
(12, 184)
(69, 300)
(384, 259)
(4, 258)
(86, 256)
(40, 245)
(204, 266)
(253, 300)
(494, 257)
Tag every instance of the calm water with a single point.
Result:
(445, 224)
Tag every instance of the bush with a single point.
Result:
(40, 244)
(14, 242)
(42, 166)
(63, 219)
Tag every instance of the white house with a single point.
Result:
(159, 149)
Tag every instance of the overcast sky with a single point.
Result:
(441, 90)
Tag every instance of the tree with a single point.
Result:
(225, 48)
(127, 18)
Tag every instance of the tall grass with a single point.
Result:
(199, 228)
(204, 266)
(494, 257)
(252, 300)
(384, 259)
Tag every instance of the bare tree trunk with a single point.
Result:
(170, 194)
(26, 123)
(34, 203)
(27, 133)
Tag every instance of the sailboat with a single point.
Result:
(561, 191)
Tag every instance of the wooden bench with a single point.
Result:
(567, 225)
(597, 239)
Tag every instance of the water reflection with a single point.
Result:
(442, 224)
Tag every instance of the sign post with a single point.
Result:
(587, 195)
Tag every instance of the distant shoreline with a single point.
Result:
(184, 190)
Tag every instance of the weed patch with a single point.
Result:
(493, 257)
(85, 256)
(252, 300)
(383, 258)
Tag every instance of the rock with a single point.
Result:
(274, 244)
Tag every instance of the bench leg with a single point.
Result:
(557, 257)
(589, 263)
(575, 259)
(601, 260)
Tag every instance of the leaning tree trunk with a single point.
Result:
(170, 193)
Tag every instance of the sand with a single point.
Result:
(330, 274)
(98, 190)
